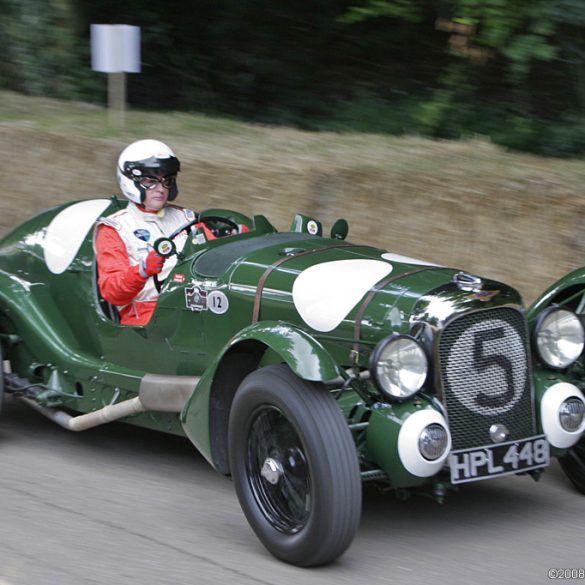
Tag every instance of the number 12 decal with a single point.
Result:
(217, 302)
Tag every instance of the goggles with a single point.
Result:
(149, 183)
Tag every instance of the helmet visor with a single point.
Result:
(166, 166)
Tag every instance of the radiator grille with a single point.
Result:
(483, 364)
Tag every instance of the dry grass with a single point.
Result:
(512, 217)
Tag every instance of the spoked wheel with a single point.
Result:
(275, 453)
(573, 464)
(295, 468)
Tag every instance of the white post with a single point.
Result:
(117, 99)
(115, 50)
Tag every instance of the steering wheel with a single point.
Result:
(166, 248)
(184, 228)
(220, 226)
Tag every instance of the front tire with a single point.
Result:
(573, 464)
(295, 467)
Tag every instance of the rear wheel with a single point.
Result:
(573, 464)
(294, 465)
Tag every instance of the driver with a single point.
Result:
(147, 174)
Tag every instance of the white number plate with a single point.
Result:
(501, 459)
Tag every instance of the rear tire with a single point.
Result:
(295, 467)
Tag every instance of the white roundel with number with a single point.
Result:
(482, 371)
(217, 302)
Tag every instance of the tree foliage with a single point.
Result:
(41, 52)
(510, 69)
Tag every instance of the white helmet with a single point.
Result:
(138, 159)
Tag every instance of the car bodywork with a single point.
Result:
(313, 315)
(567, 293)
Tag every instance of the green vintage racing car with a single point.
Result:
(300, 365)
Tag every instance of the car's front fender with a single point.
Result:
(551, 389)
(569, 285)
(205, 416)
(305, 356)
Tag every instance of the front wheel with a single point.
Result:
(294, 465)
(573, 464)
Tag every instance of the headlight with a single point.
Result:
(571, 414)
(433, 441)
(399, 366)
(559, 337)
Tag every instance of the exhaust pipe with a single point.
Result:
(90, 420)
(157, 393)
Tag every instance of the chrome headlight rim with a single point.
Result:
(432, 447)
(544, 315)
(375, 359)
(564, 414)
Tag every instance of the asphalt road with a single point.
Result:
(119, 505)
